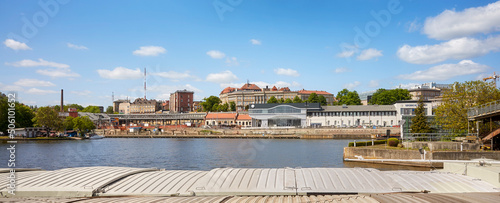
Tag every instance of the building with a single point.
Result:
(165, 106)
(118, 103)
(252, 94)
(244, 120)
(218, 119)
(142, 106)
(281, 115)
(181, 101)
(29, 132)
(429, 91)
(124, 108)
(353, 115)
(197, 106)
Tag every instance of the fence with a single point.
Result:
(484, 109)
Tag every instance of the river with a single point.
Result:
(181, 153)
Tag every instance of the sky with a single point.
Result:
(96, 49)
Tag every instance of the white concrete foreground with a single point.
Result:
(233, 184)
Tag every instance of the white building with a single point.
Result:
(353, 115)
(281, 115)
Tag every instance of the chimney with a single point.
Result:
(62, 101)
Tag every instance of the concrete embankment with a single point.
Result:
(292, 133)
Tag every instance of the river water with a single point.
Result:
(181, 154)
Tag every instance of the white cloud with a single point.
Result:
(15, 45)
(149, 51)
(452, 24)
(40, 92)
(121, 73)
(55, 73)
(40, 62)
(345, 54)
(78, 47)
(296, 84)
(446, 71)
(374, 83)
(287, 72)
(81, 93)
(255, 42)
(216, 54)
(461, 48)
(232, 61)
(368, 54)
(175, 75)
(7, 88)
(222, 77)
(342, 70)
(34, 83)
(413, 26)
(351, 86)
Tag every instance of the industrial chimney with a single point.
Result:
(62, 103)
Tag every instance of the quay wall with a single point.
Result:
(373, 153)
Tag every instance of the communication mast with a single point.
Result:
(494, 77)
(144, 83)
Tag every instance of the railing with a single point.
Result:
(484, 109)
(435, 136)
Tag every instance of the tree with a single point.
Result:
(92, 109)
(272, 100)
(419, 123)
(23, 114)
(232, 105)
(210, 104)
(68, 123)
(224, 107)
(388, 97)
(322, 100)
(288, 100)
(296, 99)
(348, 97)
(281, 101)
(313, 98)
(452, 113)
(109, 110)
(47, 117)
(83, 125)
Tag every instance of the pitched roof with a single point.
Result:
(314, 91)
(243, 117)
(227, 90)
(249, 86)
(221, 116)
(274, 88)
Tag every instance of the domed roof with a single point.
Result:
(249, 86)
(227, 90)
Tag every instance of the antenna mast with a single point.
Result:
(144, 83)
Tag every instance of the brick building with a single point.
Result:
(181, 101)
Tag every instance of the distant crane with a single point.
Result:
(494, 78)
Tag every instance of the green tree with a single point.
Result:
(109, 110)
(92, 109)
(272, 100)
(47, 117)
(313, 98)
(296, 99)
(68, 123)
(281, 101)
(232, 105)
(419, 123)
(388, 97)
(348, 97)
(210, 104)
(83, 125)
(23, 114)
(322, 100)
(288, 100)
(224, 107)
(452, 113)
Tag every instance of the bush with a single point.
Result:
(366, 143)
(393, 142)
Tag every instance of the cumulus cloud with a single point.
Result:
(78, 47)
(55, 73)
(286, 72)
(447, 71)
(216, 54)
(255, 42)
(345, 54)
(342, 70)
(368, 54)
(149, 51)
(374, 83)
(40, 91)
(40, 62)
(222, 77)
(34, 83)
(15, 45)
(7, 88)
(120, 73)
(452, 24)
(232, 61)
(351, 86)
(460, 48)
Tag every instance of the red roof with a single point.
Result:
(274, 88)
(249, 86)
(221, 116)
(227, 90)
(244, 117)
(284, 89)
(314, 91)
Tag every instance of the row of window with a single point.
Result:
(354, 113)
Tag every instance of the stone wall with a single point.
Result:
(434, 146)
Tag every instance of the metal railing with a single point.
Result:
(436, 137)
(484, 109)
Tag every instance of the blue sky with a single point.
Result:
(93, 48)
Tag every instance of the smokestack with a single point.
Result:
(62, 100)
